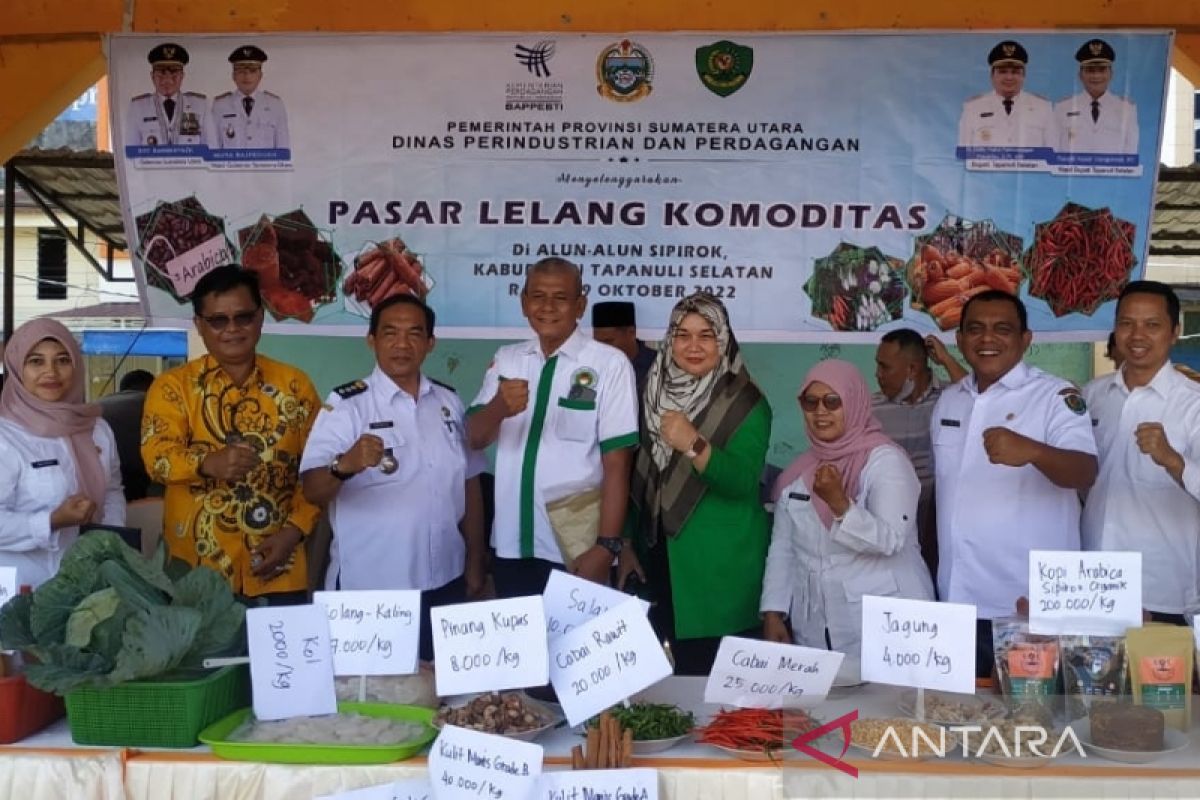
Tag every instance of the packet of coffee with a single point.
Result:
(1160, 670)
(1027, 665)
(1092, 667)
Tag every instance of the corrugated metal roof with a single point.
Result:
(82, 183)
(1176, 229)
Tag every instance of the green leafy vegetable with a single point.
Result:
(110, 616)
(650, 721)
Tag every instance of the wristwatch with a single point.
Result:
(698, 446)
(613, 544)
(337, 473)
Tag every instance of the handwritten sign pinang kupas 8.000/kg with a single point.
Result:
(490, 646)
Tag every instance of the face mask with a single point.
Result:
(906, 390)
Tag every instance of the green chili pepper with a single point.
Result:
(650, 721)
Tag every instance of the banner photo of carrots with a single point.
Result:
(960, 259)
(1081, 259)
(381, 270)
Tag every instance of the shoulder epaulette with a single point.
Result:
(142, 96)
(348, 390)
(223, 95)
(271, 94)
(195, 94)
(443, 385)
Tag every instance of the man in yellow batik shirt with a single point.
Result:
(224, 433)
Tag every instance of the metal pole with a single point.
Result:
(10, 238)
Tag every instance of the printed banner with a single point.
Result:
(826, 187)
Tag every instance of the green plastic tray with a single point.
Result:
(215, 737)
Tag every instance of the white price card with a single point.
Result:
(918, 643)
(1085, 593)
(470, 764)
(291, 666)
(604, 661)
(751, 673)
(410, 789)
(598, 784)
(481, 647)
(571, 601)
(373, 632)
(8, 584)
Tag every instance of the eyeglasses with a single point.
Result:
(809, 403)
(242, 319)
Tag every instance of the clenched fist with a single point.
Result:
(231, 463)
(1152, 440)
(678, 431)
(513, 395)
(1009, 448)
(364, 453)
(76, 510)
(827, 485)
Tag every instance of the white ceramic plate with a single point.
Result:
(1173, 742)
(649, 746)
(751, 755)
(979, 709)
(525, 736)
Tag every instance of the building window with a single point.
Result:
(51, 264)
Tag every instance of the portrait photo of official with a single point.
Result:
(1096, 120)
(168, 115)
(1007, 115)
(249, 116)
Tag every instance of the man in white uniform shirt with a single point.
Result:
(1012, 447)
(167, 115)
(388, 456)
(562, 409)
(1095, 120)
(249, 117)
(1007, 116)
(1147, 426)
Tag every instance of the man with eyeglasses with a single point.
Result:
(250, 117)
(1012, 448)
(395, 442)
(562, 409)
(167, 116)
(225, 433)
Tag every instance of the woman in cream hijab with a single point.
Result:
(705, 432)
(58, 459)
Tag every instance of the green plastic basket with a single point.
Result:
(216, 736)
(162, 713)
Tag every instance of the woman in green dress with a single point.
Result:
(700, 523)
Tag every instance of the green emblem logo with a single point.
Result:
(724, 67)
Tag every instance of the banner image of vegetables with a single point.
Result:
(179, 242)
(856, 288)
(111, 615)
(381, 270)
(1080, 259)
(297, 269)
(959, 260)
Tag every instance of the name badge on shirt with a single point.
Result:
(1072, 113)
(799, 496)
(987, 113)
(378, 425)
(51, 462)
(951, 423)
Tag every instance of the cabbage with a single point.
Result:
(110, 615)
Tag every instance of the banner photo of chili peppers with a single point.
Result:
(959, 260)
(856, 288)
(297, 269)
(1080, 259)
(816, 215)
